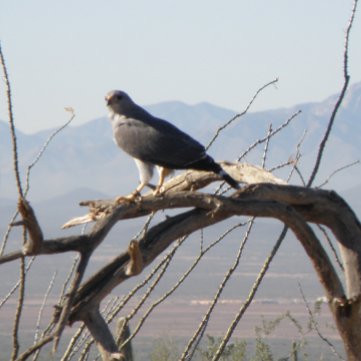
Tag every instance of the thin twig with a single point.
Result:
(282, 165)
(339, 99)
(265, 152)
(298, 171)
(177, 284)
(315, 325)
(27, 184)
(73, 344)
(35, 348)
(7, 233)
(13, 140)
(41, 310)
(52, 324)
(17, 284)
(45, 146)
(197, 336)
(333, 249)
(147, 294)
(68, 300)
(146, 225)
(163, 265)
(221, 128)
(12, 124)
(273, 133)
(127, 298)
(19, 309)
(69, 276)
(255, 144)
(337, 171)
(297, 159)
(140, 285)
(85, 352)
(250, 297)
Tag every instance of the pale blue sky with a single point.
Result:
(71, 52)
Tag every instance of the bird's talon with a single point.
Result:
(129, 198)
(136, 195)
(157, 191)
(122, 199)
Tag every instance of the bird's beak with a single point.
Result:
(107, 99)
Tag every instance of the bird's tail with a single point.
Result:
(232, 182)
(208, 163)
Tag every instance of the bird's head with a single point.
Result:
(118, 101)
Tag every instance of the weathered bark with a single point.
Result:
(102, 335)
(292, 205)
(123, 332)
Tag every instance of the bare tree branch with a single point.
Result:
(19, 309)
(190, 180)
(333, 249)
(220, 129)
(337, 171)
(195, 339)
(315, 325)
(41, 310)
(250, 297)
(11, 123)
(265, 151)
(102, 335)
(16, 286)
(266, 196)
(339, 100)
(27, 183)
(68, 299)
(269, 135)
(45, 146)
(34, 348)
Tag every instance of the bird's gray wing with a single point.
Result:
(156, 141)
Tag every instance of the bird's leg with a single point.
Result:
(163, 172)
(132, 196)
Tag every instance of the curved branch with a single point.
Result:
(291, 205)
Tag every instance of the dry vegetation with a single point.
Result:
(263, 195)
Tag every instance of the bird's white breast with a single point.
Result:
(117, 121)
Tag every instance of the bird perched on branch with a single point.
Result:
(151, 142)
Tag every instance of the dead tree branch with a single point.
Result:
(11, 123)
(294, 206)
(340, 98)
(229, 122)
(250, 297)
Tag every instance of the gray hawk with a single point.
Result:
(152, 141)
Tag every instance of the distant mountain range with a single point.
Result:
(85, 156)
(84, 163)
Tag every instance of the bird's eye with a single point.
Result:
(119, 97)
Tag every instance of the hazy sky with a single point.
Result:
(71, 52)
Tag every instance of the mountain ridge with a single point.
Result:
(85, 155)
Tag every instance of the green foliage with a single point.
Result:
(241, 350)
(164, 350)
(263, 351)
(233, 352)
